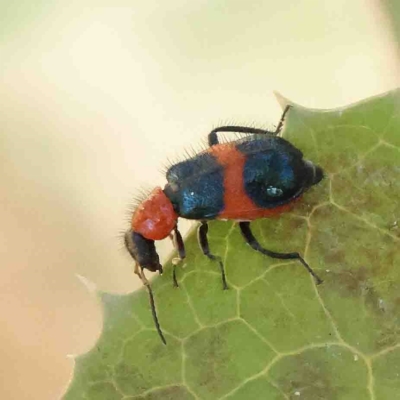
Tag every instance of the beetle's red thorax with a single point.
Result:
(155, 217)
(238, 205)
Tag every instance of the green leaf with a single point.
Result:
(274, 334)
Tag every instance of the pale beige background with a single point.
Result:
(96, 95)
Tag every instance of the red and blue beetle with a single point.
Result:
(258, 176)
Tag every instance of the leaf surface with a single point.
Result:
(274, 334)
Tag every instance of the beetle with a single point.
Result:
(258, 176)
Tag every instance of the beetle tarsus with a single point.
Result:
(174, 280)
(282, 120)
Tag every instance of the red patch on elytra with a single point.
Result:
(238, 205)
(155, 217)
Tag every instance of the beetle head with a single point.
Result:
(143, 251)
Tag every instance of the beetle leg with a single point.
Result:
(282, 120)
(139, 271)
(180, 247)
(203, 243)
(252, 241)
(213, 135)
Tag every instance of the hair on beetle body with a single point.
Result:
(255, 176)
(193, 150)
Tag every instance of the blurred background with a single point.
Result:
(96, 96)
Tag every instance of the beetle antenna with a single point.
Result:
(146, 283)
(153, 311)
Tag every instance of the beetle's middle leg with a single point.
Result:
(180, 247)
(203, 242)
(252, 241)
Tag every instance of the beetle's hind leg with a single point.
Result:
(213, 135)
(252, 241)
(180, 247)
(203, 243)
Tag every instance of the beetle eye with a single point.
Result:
(274, 191)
